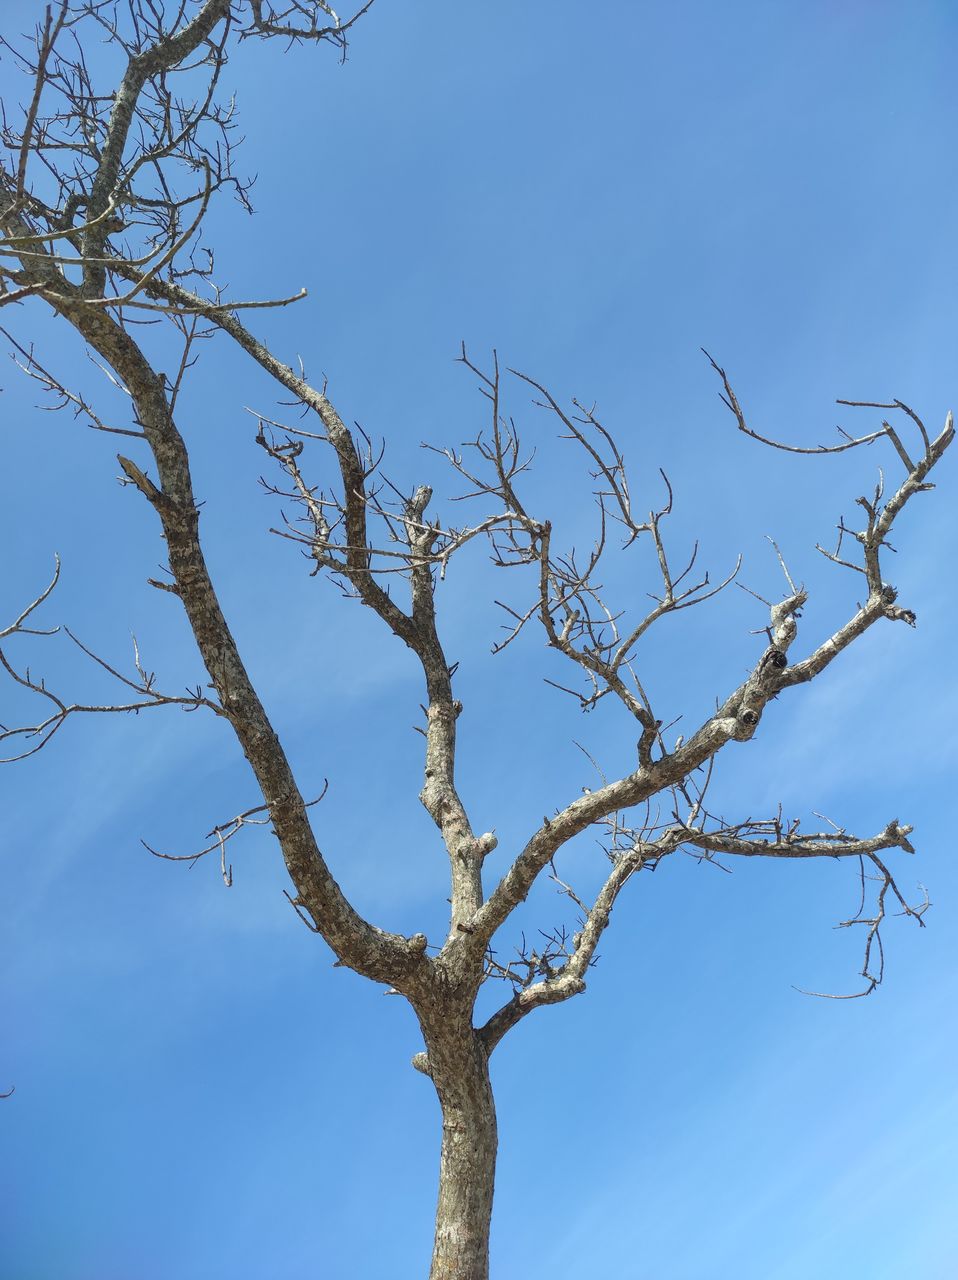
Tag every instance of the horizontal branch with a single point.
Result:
(818, 845)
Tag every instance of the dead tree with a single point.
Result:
(104, 191)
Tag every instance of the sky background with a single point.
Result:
(597, 192)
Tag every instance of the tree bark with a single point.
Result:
(467, 1168)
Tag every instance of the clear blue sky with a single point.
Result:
(598, 192)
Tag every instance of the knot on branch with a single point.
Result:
(788, 607)
(419, 502)
(774, 659)
(486, 843)
(901, 615)
(744, 724)
(888, 595)
(899, 835)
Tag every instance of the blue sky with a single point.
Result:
(597, 193)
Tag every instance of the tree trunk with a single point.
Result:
(468, 1163)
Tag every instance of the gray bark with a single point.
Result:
(458, 1064)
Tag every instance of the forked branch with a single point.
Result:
(223, 833)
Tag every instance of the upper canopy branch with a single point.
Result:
(112, 169)
(319, 21)
(570, 604)
(730, 399)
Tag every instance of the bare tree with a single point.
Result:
(104, 193)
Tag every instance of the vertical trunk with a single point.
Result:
(468, 1162)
